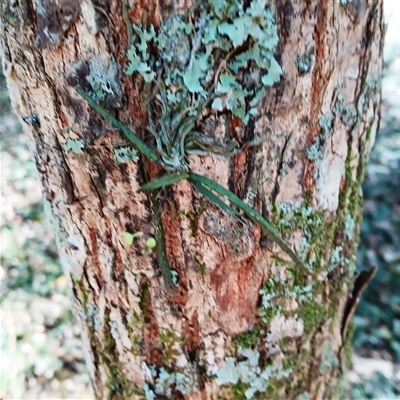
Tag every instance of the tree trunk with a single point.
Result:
(240, 319)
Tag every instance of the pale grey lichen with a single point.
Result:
(250, 197)
(316, 152)
(303, 396)
(231, 231)
(164, 381)
(150, 395)
(247, 370)
(349, 116)
(90, 314)
(336, 258)
(292, 214)
(104, 81)
(74, 145)
(124, 154)
(32, 120)
(270, 296)
(347, 112)
(328, 359)
(349, 226)
(174, 276)
(325, 122)
(287, 211)
(304, 61)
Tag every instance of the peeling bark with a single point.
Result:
(238, 305)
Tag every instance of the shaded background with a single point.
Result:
(41, 357)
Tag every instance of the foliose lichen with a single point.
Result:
(316, 152)
(217, 59)
(74, 145)
(32, 120)
(349, 226)
(347, 112)
(166, 381)
(247, 370)
(304, 61)
(124, 154)
(104, 81)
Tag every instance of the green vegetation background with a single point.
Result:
(40, 344)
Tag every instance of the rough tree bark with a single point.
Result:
(241, 322)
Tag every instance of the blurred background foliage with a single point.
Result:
(41, 356)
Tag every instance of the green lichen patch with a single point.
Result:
(271, 301)
(81, 292)
(169, 340)
(201, 268)
(117, 383)
(317, 229)
(248, 339)
(314, 314)
(276, 296)
(135, 326)
(347, 350)
(88, 311)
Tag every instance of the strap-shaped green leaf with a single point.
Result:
(253, 215)
(215, 199)
(203, 184)
(165, 180)
(141, 146)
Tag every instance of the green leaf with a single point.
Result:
(214, 199)
(165, 180)
(142, 147)
(253, 215)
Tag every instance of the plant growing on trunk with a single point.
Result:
(229, 111)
